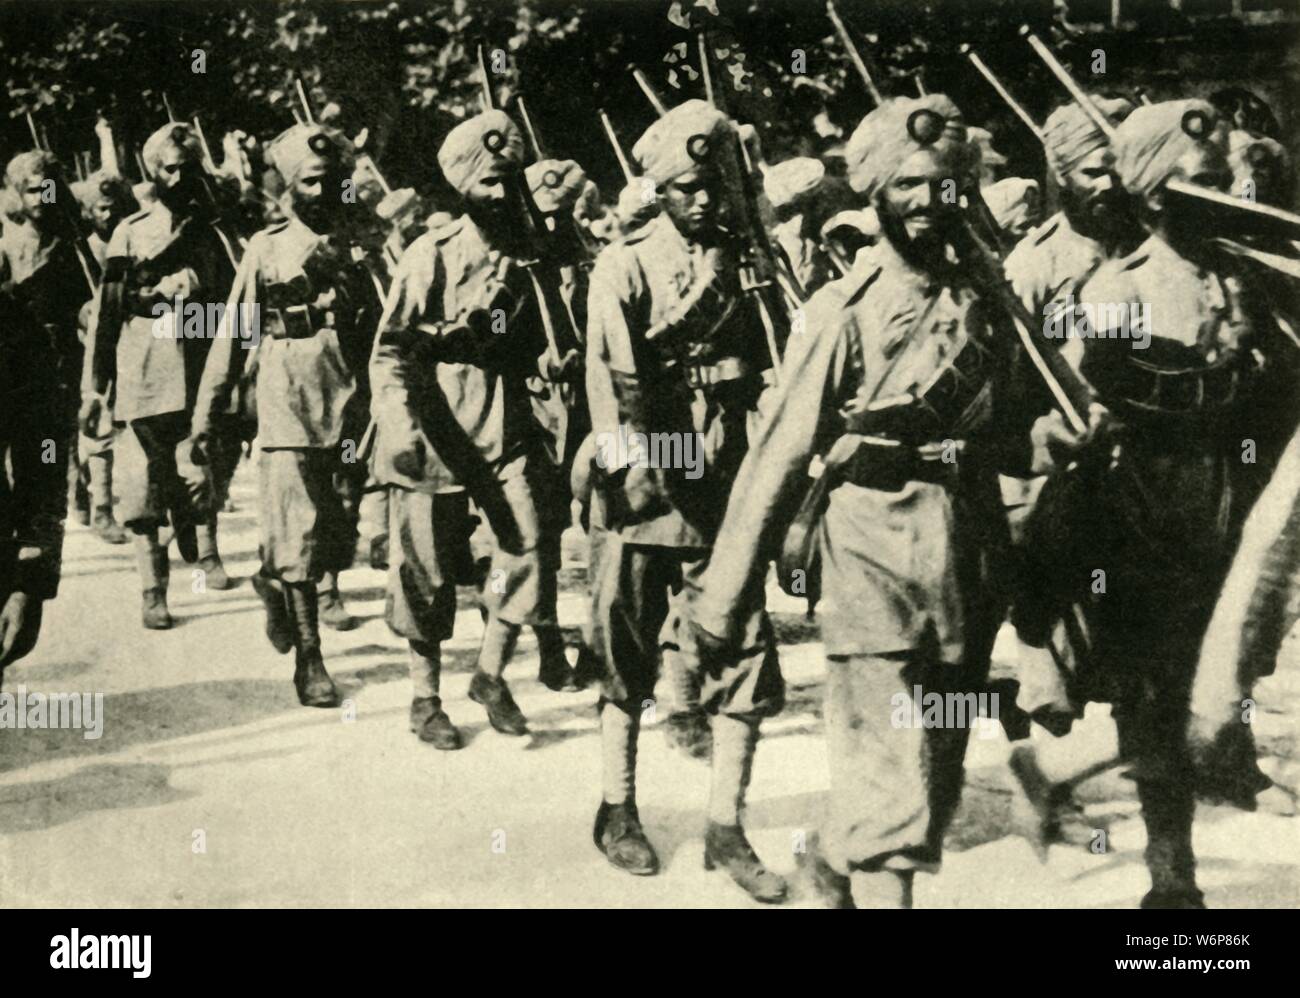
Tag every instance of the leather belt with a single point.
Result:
(726, 369)
(887, 466)
(296, 322)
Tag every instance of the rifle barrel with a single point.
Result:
(489, 95)
(302, 98)
(705, 71)
(1002, 91)
(1067, 81)
(852, 50)
(36, 136)
(649, 91)
(528, 127)
(628, 175)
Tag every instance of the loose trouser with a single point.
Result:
(427, 553)
(156, 475)
(638, 620)
(308, 513)
(895, 783)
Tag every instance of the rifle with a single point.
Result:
(1002, 91)
(1248, 215)
(651, 95)
(623, 163)
(760, 275)
(852, 50)
(517, 189)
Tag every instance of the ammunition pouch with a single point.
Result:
(1168, 386)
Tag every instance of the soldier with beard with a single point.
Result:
(899, 382)
(676, 349)
(315, 308)
(1153, 508)
(458, 338)
(138, 347)
(1047, 270)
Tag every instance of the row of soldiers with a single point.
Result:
(863, 379)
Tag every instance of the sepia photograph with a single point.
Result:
(650, 454)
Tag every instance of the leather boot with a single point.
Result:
(618, 834)
(553, 670)
(209, 559)
(314, 685)
(107, 528)
(279, 629)
(154, 613)
(588, 670)
(333, 614)
(154, 575)
(431, 723)
(503, 713)
(725, 846)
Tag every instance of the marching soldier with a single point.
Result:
(138, 347)
(314, 307)
(33, 485)
(675, 349)
(897, 382)
(1047, 270)
(458, 339)
(557, 400)
(40, 266)
(1181, 356)
(105, 200)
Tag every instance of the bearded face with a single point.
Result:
(1092, 196)
(176, 179)
(315, 195)
(33, 194)
(919, 206)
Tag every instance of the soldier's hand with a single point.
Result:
(562, 369)
(1057, 445)
(180, 284)
(12, 618)
(644, 492)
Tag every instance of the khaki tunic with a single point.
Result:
(470, 419)
(902, 569)
(154, 374)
